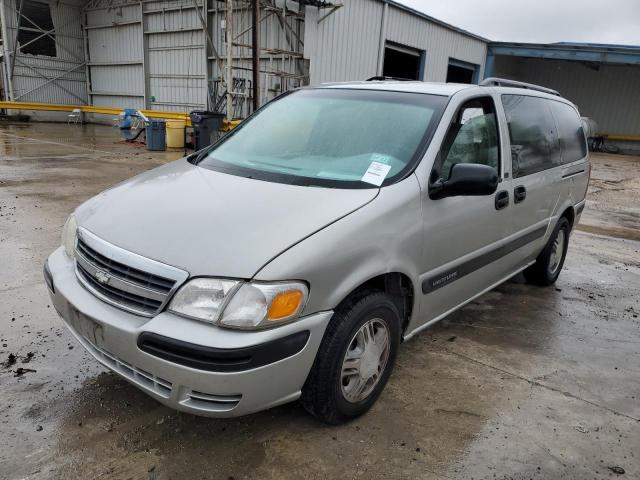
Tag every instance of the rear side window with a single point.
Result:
(570, 132)
(532, 130)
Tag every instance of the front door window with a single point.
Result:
(472, 137)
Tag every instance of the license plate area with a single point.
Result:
(86, 327)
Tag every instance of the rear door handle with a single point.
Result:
(502, 200)
(519, 194)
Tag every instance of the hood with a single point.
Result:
(212, 223)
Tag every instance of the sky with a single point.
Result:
(540, 21)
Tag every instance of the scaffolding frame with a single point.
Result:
(276, 67)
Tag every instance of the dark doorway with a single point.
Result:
(401, 62)
(30, 38)
(461, 72)
(457, 74)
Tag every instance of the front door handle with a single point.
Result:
(519, 194)
(502, 199)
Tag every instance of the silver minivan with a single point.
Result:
(291, 259)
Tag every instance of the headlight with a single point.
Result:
(202, 298)
(234, 304)
(69, 235)
(265, 304)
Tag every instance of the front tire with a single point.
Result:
(551, 260)
(355, 358)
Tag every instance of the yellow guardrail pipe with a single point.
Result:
(621, 138)
(228, 125)
(53, 107)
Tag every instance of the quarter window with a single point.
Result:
(472, 137)
(570, 132)
(532, 130)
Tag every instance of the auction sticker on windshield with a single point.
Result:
(376, 173)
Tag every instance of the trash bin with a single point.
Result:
(156, 131)
(175, 133)
(205, 124)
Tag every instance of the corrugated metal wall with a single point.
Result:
(345, 45)
(114, 40)
(176, 60)
(171, 66)
(608, 93)
(33, 73)
(148, 54)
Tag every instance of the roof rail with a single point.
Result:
(504, 82)
(379, 78)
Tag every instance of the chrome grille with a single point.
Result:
(124, 279)
(125, 272)
(133, 301)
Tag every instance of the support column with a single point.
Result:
(382, 40)
(87, 59)
(145, 55)
(490, 65)
(256, 54)
(7, 53)
(229, 73)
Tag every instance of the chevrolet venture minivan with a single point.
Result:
(292, 258)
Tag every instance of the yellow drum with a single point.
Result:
(175, 133)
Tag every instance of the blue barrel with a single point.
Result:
(156, 135)
(127, 115)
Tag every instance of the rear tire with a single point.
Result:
(551, 260)
(355, 358)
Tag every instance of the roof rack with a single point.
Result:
(504, 82)
(396, 79)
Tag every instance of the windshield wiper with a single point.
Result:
(276, 165)
(201, 155)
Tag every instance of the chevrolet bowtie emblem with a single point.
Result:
(102, 277)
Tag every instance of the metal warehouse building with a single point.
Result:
(172, 55)
(603, 80)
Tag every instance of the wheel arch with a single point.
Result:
(570, 214)
(397, 285)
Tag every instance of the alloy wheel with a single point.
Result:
(557, 250)
(365, 360)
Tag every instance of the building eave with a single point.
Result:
(431, 19)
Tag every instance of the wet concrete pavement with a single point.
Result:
(523, 383)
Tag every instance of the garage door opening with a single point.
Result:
(462, 72)
(402, 62)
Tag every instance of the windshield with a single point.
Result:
(331, 137)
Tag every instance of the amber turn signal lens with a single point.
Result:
(284, 304)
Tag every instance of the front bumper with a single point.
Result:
(112, 336)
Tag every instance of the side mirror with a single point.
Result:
(471, 179)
